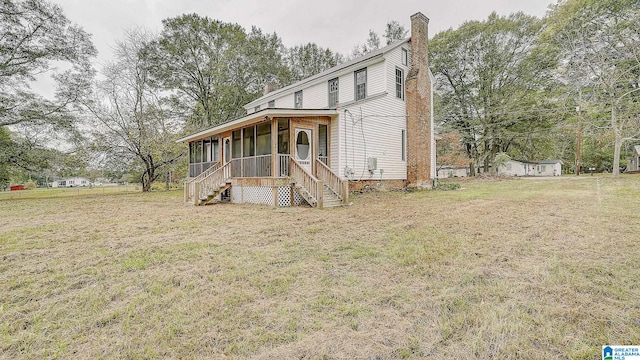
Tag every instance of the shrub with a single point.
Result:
(30, 185)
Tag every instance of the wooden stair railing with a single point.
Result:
(308, 185)
(210, 186)
(189, 185)
(331, 180)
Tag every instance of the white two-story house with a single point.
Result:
(366, 122)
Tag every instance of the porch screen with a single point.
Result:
(249, 147)
(283, 136)
(237, 144)
(263, 139)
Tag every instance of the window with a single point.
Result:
(399, 84)
(271, 104)
(323, 148)
(297, 99)
(405, 57)
(333, 92)
(403, 141)
(256, 109)
(361, 84)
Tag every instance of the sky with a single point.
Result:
(336, 24)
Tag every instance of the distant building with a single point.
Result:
(453, 171)
(531, 168)
(71, 182)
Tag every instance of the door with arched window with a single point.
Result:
(303, 148)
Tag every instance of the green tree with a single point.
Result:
(394, 31)
(310, 59)
(132, 124)
(35, 34)
(494, 81)
(600, 45)
(213, 68)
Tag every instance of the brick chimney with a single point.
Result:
(269, 87)
(418, 101)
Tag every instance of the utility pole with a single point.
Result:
(579, 146)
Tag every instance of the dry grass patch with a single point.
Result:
(509, 269)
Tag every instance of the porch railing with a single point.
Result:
(189, 185)
(283, 165)
(196, 169)
(338, 186)
(212, 182)
(308, 182)
(253, 166)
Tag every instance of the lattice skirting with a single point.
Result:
(264, 195)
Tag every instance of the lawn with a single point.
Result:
(516, 269)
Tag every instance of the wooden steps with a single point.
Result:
(217, 191)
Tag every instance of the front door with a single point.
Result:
(303, 148)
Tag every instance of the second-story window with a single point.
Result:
(361, 84)
(256, 109)
(271, 104)
(399, 84)
(333, 92)
(405, 57)
(297, 99)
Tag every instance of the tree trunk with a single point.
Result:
(147, 180)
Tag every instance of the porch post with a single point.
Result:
(274, 148)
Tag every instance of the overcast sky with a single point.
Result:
(336, 24)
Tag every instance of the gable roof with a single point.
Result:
(329, 72)
(637, 149)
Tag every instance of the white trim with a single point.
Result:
(262, 115)
(369, 59)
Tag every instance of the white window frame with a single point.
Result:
(355, 82)
(333, 95)
(399, 85)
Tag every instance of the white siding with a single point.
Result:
(372, 128)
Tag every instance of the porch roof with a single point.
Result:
(262, 115)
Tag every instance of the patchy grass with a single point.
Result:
(505, 269)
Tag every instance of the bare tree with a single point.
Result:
(131, 121)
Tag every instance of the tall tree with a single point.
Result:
(394, 31)
(132, 123)
(310, 59)
(493, 79)
(600, 44)
(36, 33)
(215, 67)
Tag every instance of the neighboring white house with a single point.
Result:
(634, 162)
(531, 168)
(367, 122)
(71, 182)
(453, 171)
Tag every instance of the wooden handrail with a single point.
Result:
(307, 181)
(333, 181)
(208, 184)
(189, 184)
